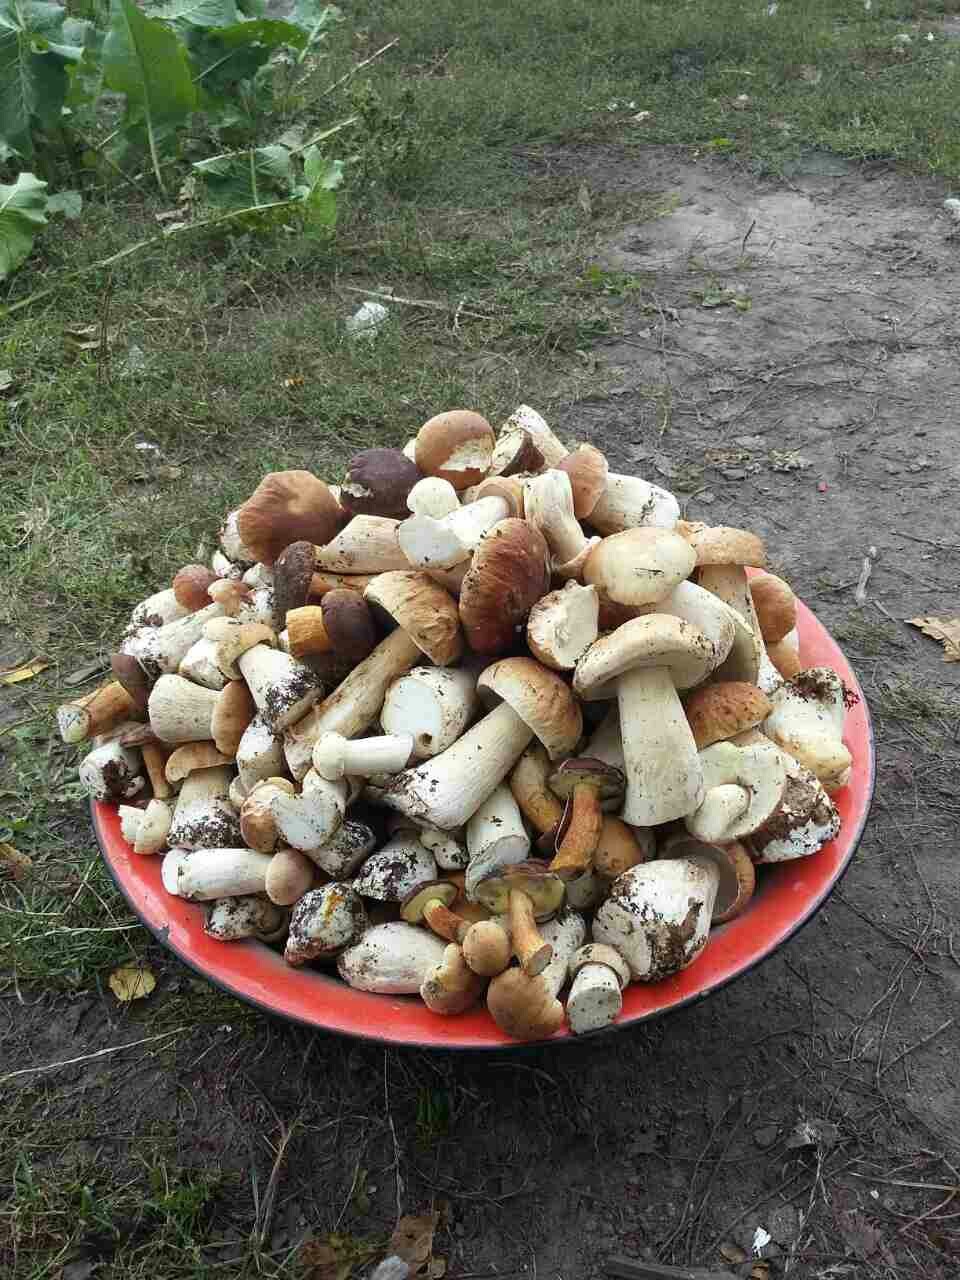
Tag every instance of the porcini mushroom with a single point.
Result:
(258, 824)
(324, 923)
(233, 713)
(181, 711)
(563, 625)
(232, 545)
(598, 974)
(738, 879)
(525, 893)
(285, 507)
(807, 722)
(525, 421)
(250, 916)
(720, 711)
(531, 790)
(378, 482)
(341, 624)
(432, 704)
(496, 837)
(97, 712)
(743, 787)
(785, 655)
(368, 544)
(191, 585)
(203, 816)
(429, 543)
(290, 875)
(146, 829)
(523, 1006)
(282, 688)
(307, 820)
(392, 959)
(160, 650)
(349, 846)
(629, 502)
(199, 664)
(334, 755)
(775, 606)
(390, 874)
(509, 573)
(451, 986)
(806, 819)
(456, 446)
(292, 577)
(548, 506)
(619, 848)
(259, 753)
(646, 661)
(587, 468)
(432, 496)
(448, 789)
(422, 609)
(588, 786)
(639, 566)
(485, 943)
(209, 873)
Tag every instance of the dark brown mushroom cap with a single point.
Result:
(414, 904)
(377, 483)
(292, 575)
(128, 671)
(607, 780)
(507, 576)
(533, 878)
(348, 621)
(285, 507)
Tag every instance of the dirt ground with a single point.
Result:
(817, 1098)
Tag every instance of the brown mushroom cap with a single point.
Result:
(722, 710)
(738, 878)
(509, 573)
(232, 713)
(775, 604)
(421, 608)
(587, 468)
(618, 849)
(292, 575)
(456, 446)
(191, 585)
(721, 544)
(655, 640)
(285, 507)
(451, 986)
(377, 483)
(192, 756)
(539, 697)
(128, 671)
(639, 566)
(349, 624)
(414, 904)
(508, 488)
(524, 1007)
(608, 781)
(532, 878)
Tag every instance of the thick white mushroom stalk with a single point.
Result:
(483, 720)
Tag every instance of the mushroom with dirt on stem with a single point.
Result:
(485, 943)
(598, 974)
(292, 577)
(258, 824)
(203, 816)
(806, 721)
(146, 829)
(496, 837)
(111, 772)
(307, 820)
(525, 893)
(743, 789)
(529, 782)
(160, 650)
(526, 422)
(589, 787)
(250, 916)
(806, 820)
(735, 891)
(283, 689)
(181, 711)
(290, 875)
(644, 663)
(429, 543)
(390, 874)
(324, 923)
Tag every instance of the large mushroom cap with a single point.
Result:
(285, 507)
(655, 640)
(722, 710)
(721, 544)
(509, 573)
(456, 446)
(533, 878)
(292, 575)
(524, 1007)
(639, 566)
(539, 697)
(422, 609)
(377, 483)
(587, 469)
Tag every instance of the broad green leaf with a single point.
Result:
(147, 61)
(223, 57)
(69, 203)
(323, 177)
(198, 13)
(246, 179)
(21, 217)
(35, 52)
(315, 17)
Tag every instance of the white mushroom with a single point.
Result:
(432, 496)
(598, 974)
(565, 933)
(743, 788)
(429, 543)
(392, 959)
(563, 625)
(368, 544)
(548, 506)
(510, 437)
(181, 711)
(449, 854)
(324, 922)
(630, 503)
(334, 755)
(157, 610)
(283, 688)
(146, 829)
(807, 722)
(496, 837)
(250, 916)
(806, 820)
(220, 873)
(203, 816)
(308, 820)
(199, 664)
(433, 704)
(111, 772)
(160, 650)
(345, 851)
(395, 870)
(259, 754)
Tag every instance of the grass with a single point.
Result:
(455, 197)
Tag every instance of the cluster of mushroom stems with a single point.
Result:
(485, 721)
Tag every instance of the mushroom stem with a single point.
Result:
(630, 502)
(529, 946)
(429, 543)
(664, 777)
(334, 755)
(283, 689)
(496, 837)
(594, 1000)
(160, 650)
(306, 632)
(368, 544)
(222, 873)
(528, 782)
(109, 772)
(575, 851)
(355, 703)
(96, 713)
(448, 789)
(181, 711)
(731, 584)
(434, 704)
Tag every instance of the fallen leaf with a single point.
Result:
(6, 381)
(436, 1268)
(760, 1271)
(859, 1235)
(732, 1253)
(128, 983)
(26, 671)
(584, 200)
(14, 863)
(87, 671)
(946, 630)
(296, 381)
(335, 1257)
(412, 1240)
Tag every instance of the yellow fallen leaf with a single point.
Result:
(13, 862)
(131, 984)
(946, 630)
(412, 1240)
(26, 671)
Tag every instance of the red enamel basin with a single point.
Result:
(789, 894)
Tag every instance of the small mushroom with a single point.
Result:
(97, 713)
(619, 848)
(432, 496)
(525, 421)
(523, 1006)
(432, 704)
(290, 875)
(157, 610)
(588, 787)
(324, 923)
(334, 755)
(285, 507)
(775, 606)
(181, 711)
(563, 625)
(129, 673)
(516, 454)
(525, 893)
(529, 783)
(183, 760)
(146, 829)
(456, 446)
(231, 919)
(422, 609)
(496, 837)
(233, 713)
(806, 820)
(199, 664)
(509, 573)
(232, 545)
(598, 974)
(391, 959)
(259, 754)
(160, 650)
(378, 482)
(722, 554)
(428, 543)
(485, 943)
(785, 655)
(451, 986)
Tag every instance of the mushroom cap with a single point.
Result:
(515, 454)
(655, 640)
(394, 871)
(285, 507)
(190, 586)
(290, 875)
(232, 713)
(775, 605)
(721, 544)
(421, 608)
(192, 756)
(349, 623)
(456, 446)
(486, 944)
(806, 819)
(524, 1007)
(377, 483)
(608, 781)
(533, 878)
(639, 566)
(412, 907)
(600, 953)
(719, 711)
(587, 468)
(509, 573)
(323, 923)
(757, 770)
(128, 671)
(292, 575)
(539, 697)
(618, 849)
(451, 986)
(508, 488)
(738, 879)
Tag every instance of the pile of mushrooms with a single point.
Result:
(486, 721)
